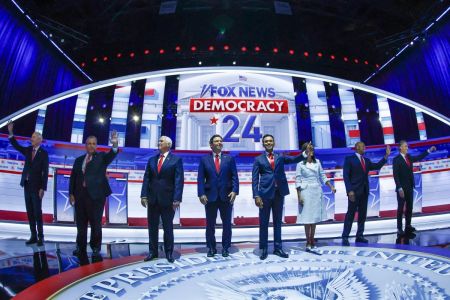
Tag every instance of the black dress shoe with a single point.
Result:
(280, 253)
(40, 242)
(345, 242)
(211, 252)
(30, 241)
(96, 252)
(169, 257)
(400, 232)
(361, 240)
(410, 229)
(263, 254)
(150, 256)
(225, 253)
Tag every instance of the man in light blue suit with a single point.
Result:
(270, 185)
(218, 185)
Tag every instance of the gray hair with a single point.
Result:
(402, 142)
(91, 137)
(38, 134)
(167, 139)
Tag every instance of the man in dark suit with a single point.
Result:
(88, 190)
(218, 185)
(161, 194)
(34, 181)
(356, 179)
(404, 184)
(269, 186)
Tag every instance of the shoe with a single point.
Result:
(78, 251)
(225, 253)
(40, 242)
(150, 256)
(263, 254)
(345, 242)
(308, 247)
(361, 240)
(280, 253)
(400, 232)
(410, 229)
(30, 241)
(169, 257)
(211, 252)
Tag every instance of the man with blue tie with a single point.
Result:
(269, 186)
(356, 179)
(218, 185)
(161, 194)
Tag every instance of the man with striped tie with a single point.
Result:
(404, 184)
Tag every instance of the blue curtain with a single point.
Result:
(30, 68)
(422, 74)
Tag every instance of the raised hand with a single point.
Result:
(10, 127)
(114, 138)
(388, 151)
(432, 149)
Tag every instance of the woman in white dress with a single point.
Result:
(309, 178)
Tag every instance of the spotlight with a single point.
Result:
(132, 54)
(146, 52)
(291, 52)
(377, 66)
(135, 118)
(275, 50)
(83, 64)
(200, 63)
(105, 58)
(332, 56)
(359, 121)
(234, 62)
(119, 55)
(366, 62)
(177, 48)
(226, 47)
(345, 58)
(161, 51)
(257, 49)
(243, 49)
(193, 48)
(267, 64)
(319, 54)
(101, 120)
(356, 61)
(306, 54)
(412, 43)
(94, 59)
(211, 48)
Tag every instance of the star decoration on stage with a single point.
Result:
(65, 195)
(214, 120)
(117, 197)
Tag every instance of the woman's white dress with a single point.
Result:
(309, 178)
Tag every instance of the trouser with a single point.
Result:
(225, 208)
(166, 213)
(33, 206)
(276, 206)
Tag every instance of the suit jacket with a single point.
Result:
(354, 176)
(215, 185)
(403, 175)
(35, 170)
(97, 183)
(165, 187)
(265, 180)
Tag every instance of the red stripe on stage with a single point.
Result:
(137, 222)
(436, 208)
(7, 215)
(193, 221)
(388, 213)
(49, 286)
(246, 221)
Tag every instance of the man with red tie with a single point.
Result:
(269, 185)
(88, 189)
(404, 184)
(34, 181)
(356, 179)
(161, 194)
(217, 185)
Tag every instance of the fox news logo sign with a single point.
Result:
(248, 99)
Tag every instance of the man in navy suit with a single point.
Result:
(404, 184)
(218, 185)
(161, 194)
(34, 181)
(88, 189)
(356, 178)
(269, 186)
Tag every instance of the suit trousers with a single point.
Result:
(408, 200)
(225, 208)
(33, 206)
(276, 206)
(359, 205)
(88, 210)
(154, 213)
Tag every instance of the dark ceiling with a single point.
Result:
(366, 32)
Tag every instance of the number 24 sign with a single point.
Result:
(249, 131)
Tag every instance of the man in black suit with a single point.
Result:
(88, 190)
(356, 179)
(34, 181)
(161, 194)
(404, 184)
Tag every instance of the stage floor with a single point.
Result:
(387, 268)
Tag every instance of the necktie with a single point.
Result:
(272, 161)
(217, 163)
(88, 159)
(33, 154)
(363, 164)
(407, 161)
(160, 162)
